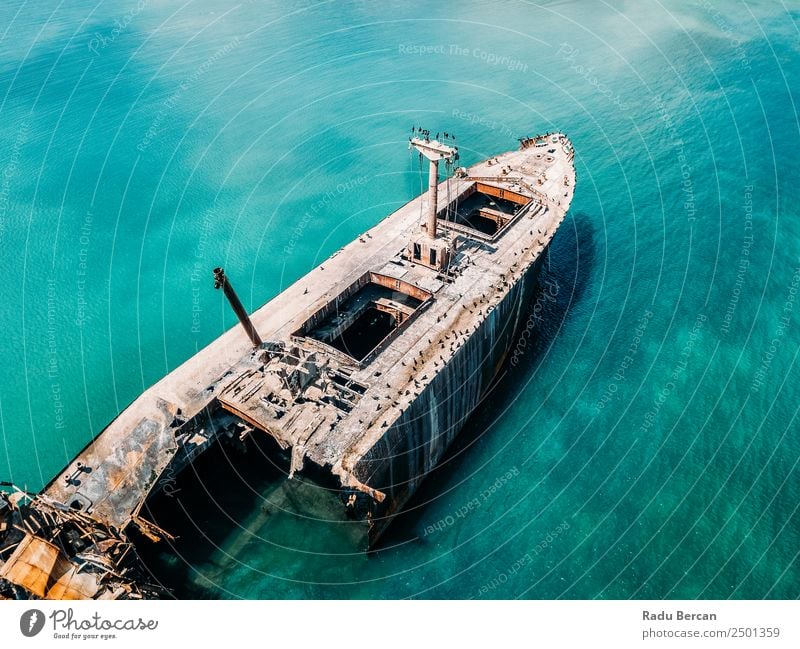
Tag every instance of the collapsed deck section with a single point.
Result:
(291, 393)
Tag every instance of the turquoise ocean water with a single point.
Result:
(647, 443)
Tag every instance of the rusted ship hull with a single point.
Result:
(417, 440)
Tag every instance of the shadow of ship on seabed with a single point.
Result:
(231, 507)
(224, 509)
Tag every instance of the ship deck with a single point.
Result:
(346, 404)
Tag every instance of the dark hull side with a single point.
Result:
(417, 440)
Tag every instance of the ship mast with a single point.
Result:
(432, 252)
(433, 151)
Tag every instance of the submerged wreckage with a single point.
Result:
(365, 368)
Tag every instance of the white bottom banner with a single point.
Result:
(402, 624)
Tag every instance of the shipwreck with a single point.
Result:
(366, 369)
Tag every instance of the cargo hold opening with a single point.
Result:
(366, 316)
(485, 209)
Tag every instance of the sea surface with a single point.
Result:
(645, 444)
